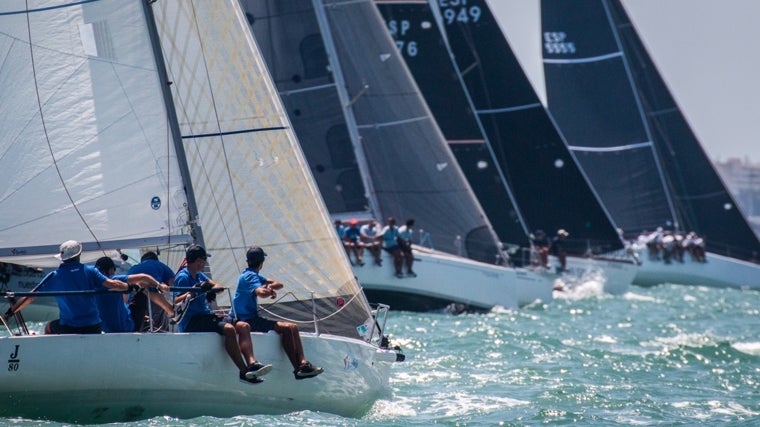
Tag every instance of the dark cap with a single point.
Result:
(149, 255)
(194, 252)
(104, 264)
(255, 255)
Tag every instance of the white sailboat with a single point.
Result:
(637, 148)
(93, 151)
(504, 140)
(376, 151)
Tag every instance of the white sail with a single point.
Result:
(251, 180)
(81, 100)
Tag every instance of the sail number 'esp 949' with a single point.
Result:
(555, 42)
(453, 11)
(458, 11)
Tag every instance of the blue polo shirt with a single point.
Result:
(114, 313)
(76, 310)
(246, 302)
(156, 269)
(183, 279)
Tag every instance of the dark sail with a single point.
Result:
(408, 170)
(608, 95)
(548, 187)
(288, 36)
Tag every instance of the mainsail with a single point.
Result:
(628, 132)
(502, 136)
(85, 141)
(371, 142)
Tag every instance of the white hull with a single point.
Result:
(718, 271)
(614, 275)
(444, 279)
(124, 377)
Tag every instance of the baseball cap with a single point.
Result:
(255, 255)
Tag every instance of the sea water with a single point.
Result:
(667, 355)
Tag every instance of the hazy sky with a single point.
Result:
(706, 50)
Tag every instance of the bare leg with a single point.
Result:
(409, 259)
(398, 260)
(232, 347)
(291, 343)
(245, 343)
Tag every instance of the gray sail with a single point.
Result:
(628, 132)
(364, 92)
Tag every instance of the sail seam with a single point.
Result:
(584, 60)
(394, 123)
(610, 149)
(714, 194)
(236, 132)
(307, 89)
(45, 9)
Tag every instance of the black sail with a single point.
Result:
(628, 132)
(380, 151)
(521, 140)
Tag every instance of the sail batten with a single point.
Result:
(599, 58)
(233, 132)
(509, 109)
(611, 148)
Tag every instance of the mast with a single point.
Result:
(348, 111)
(192, 207)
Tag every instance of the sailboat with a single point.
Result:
(637, 148)
(133, 125)
(376, 152)
(503, 138)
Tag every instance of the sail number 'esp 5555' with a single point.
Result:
(555, 42)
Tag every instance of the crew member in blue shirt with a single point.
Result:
(252, 285)
(160, 307)
(198, 316)
(115, 312)
(78, 314)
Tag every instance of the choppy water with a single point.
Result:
(672, 355)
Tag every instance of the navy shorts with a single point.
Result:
(57, 327)
(208, 322)
(260, 324)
